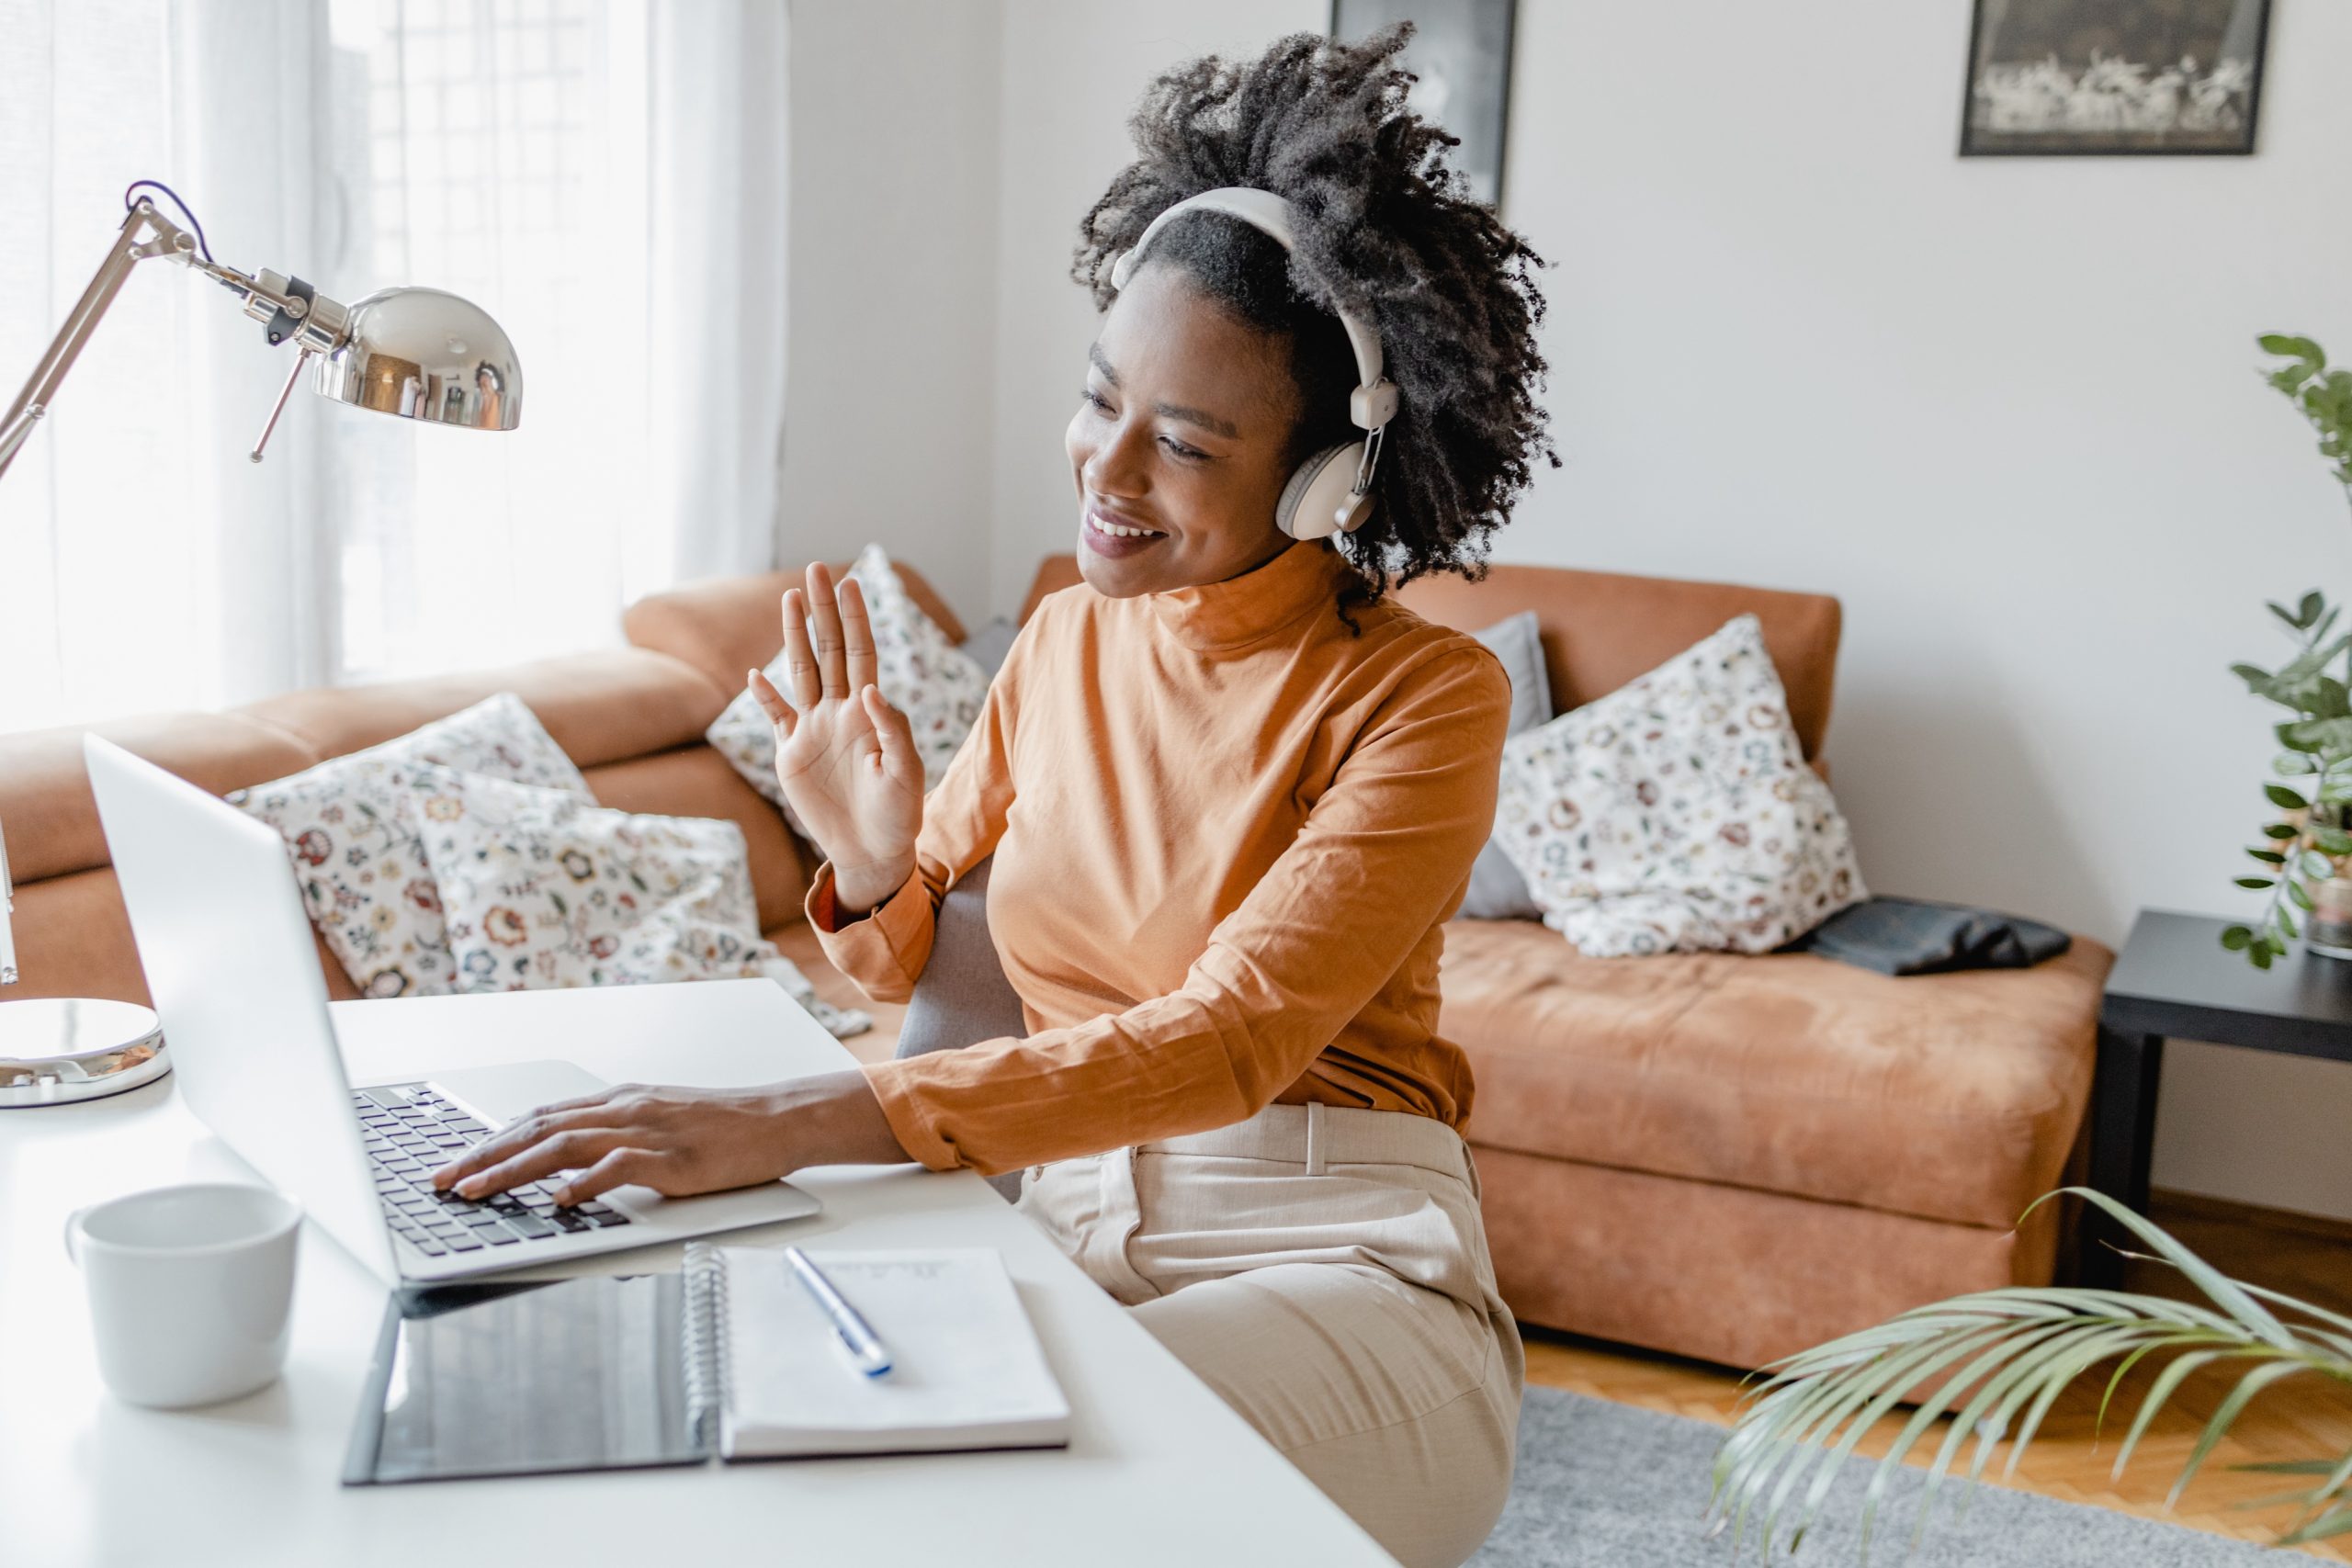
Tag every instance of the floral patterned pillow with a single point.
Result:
(1676, 814)
(542, 889)
(355, 847)
(938, 686)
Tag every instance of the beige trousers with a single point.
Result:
(1325, 1271)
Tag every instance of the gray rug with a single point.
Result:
(1614, 1487)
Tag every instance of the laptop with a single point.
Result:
(234, 975)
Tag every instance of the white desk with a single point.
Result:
(1157, 1472)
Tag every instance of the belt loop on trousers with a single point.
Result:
(1314, 1139)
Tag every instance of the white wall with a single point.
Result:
(2005, 409)
(892, 284)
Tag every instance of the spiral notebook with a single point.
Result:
(730, 1359)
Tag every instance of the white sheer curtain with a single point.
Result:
(607, 177)
(128, 549)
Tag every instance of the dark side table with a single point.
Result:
(2175, 980)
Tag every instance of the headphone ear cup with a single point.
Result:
(1317, 502)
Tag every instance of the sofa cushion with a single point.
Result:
(357, 847)
(695, 781)
(1498, 892)
(1949, 1097)
(935, 684)
(543, 888)
(1676, 813)
(962, 996)
(989, 645)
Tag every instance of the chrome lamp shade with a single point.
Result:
(425, 354)
(419, 353)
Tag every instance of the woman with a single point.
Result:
(1231, 793)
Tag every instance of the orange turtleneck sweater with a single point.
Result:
(1226, 832)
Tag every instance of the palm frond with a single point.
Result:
(2223, 1290)
(2255, 1379)
(2341, 1343)
(2314, 1502)
(1995, 1363)
(2337, 1523)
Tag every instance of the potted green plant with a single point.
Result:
(1996, 1361)
(2306, 851)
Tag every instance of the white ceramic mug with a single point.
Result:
(191, 1290)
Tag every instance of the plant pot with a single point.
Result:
(2327, 925)
(2327, 928)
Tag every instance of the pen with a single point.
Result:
(865, 1349)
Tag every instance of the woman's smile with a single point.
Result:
(1108, 533)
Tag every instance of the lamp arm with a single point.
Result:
(145, 232)
(288, 306)
(7, 904)
(80, 322)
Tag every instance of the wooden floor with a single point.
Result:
(2303, 1418)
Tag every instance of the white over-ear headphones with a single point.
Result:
(1331, 491)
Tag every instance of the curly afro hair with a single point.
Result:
(1384, 228)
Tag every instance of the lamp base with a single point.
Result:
(64, 1050)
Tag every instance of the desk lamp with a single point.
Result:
(419, 352)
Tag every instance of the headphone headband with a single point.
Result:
(1374, 401)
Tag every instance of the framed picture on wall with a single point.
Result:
(2113, 76)
(1460, 53)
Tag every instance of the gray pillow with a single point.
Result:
(1498, 892)
(962, 996)
(987, 647)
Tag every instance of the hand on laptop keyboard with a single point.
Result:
(678, 1141)
(407, 1128)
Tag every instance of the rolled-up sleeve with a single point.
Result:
(1381, 858)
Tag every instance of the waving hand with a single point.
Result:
(844, 756)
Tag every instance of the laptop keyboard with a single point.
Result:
(411, 1131)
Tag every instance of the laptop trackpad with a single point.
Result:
(499, 1094)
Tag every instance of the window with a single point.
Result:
(498, 152)
(605, 177)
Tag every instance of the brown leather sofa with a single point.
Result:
(1727, 1157)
